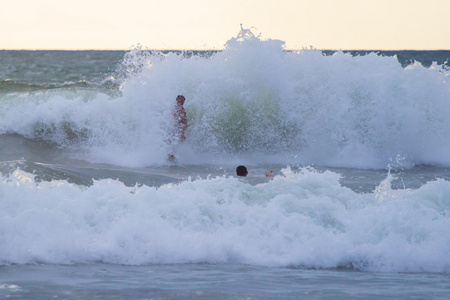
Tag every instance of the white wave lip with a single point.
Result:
(302, 107)
(304, 219)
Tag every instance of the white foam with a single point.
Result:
(293, 107)
(305, 218)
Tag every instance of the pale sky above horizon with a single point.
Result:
(209, 24)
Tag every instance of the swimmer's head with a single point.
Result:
(180, 99)
(241, 171)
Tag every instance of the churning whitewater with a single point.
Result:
(304, 218)
(254, 99)
(358, 145)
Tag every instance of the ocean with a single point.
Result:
(358, 141)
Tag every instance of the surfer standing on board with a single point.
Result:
(180, 119)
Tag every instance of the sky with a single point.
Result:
(209, 24)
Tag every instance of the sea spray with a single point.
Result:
(300, 218)
(91, 208)
(254, 100)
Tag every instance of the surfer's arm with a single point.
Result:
(269, 174)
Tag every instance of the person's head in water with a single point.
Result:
(241, 171)
(180, 100)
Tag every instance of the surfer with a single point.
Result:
(180, 119)
(242, 171)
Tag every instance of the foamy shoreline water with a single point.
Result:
(304, 218)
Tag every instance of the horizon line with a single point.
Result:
(167, 49)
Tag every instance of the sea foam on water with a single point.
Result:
(254, 102)
(301, 218)
(253, 97)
